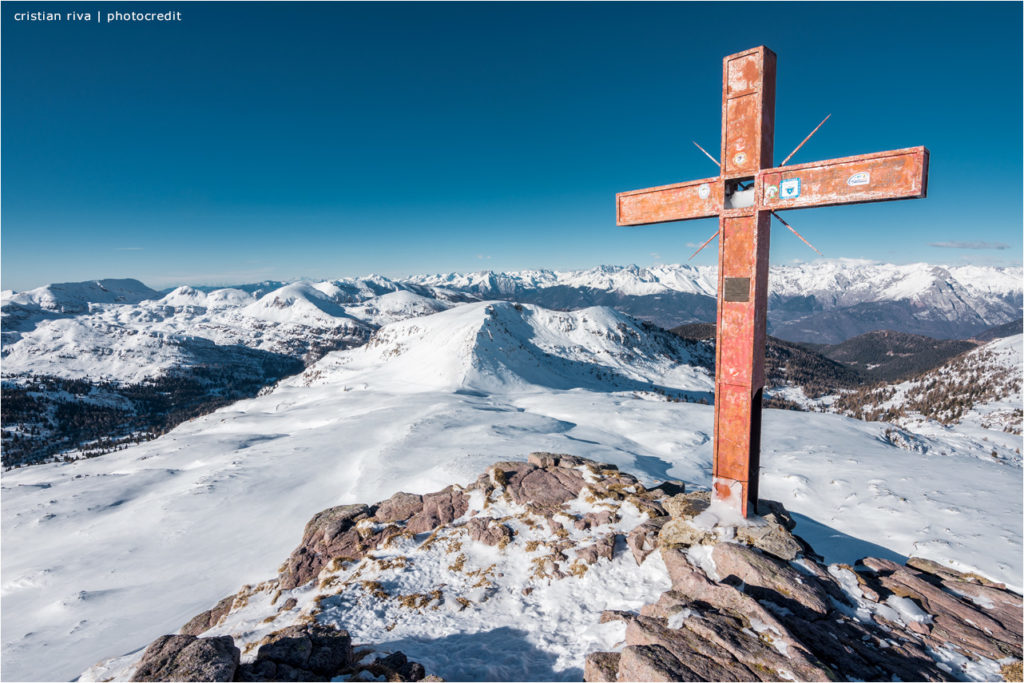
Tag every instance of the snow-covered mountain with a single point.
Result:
(821, 301)
(76, 297)
(495, 346)
(105, 554)
(90, 366)
(43, 327)
(826, 301)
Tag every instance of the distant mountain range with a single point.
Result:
(824, 302)
(96, 365)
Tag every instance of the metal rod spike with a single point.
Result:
(796, 233)
(802, 143)
(706, 153)
(705, 244)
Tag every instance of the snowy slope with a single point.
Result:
(494, 346)
(977, 398)
(100, 556)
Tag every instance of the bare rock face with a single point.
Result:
(592, 519)
(768, 578)
(601, 666)
(703, 658)
(308, 652)
(489, 531)
(208, 619)
(644, 540)
(604, 547)
(679, 532)
(330, 533)
(333, 533)
(764, 618)
(438, 508)
(651, 663)
(399, 507)
(687, 505)
(956, 620)
(543, 487)
(187, 658)
(773, 538)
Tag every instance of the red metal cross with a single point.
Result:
(743, 197)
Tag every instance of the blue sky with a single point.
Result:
(275, 141)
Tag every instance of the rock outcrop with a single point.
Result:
(747, 602)
(770, 610)
(305, 652)
(187, 658)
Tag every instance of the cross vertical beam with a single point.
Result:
(748, 133)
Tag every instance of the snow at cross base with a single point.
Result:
(100, 556)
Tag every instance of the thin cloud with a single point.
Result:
(970, 245)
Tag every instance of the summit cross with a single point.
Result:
(743, 196)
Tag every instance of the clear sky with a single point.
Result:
(276, 141)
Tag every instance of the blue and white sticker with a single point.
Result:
(861, 178)
(703, 191)
(789, 188)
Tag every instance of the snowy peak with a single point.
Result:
(75, 297)
(298, 302)
(398, 305)
(185, 296)
(492, 346)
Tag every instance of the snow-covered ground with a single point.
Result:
(101, 556)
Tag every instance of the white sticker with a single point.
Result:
(771, 191)
(703, 191)
(739, 159)
(861, 178)
(789, 188)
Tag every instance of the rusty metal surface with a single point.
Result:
(748, 112)
(898, 174)
(748, 124)
(678, 202)
(739, 376)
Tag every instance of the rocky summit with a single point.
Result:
(700, 597)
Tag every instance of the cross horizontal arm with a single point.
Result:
(879, 177)
(678, 202)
